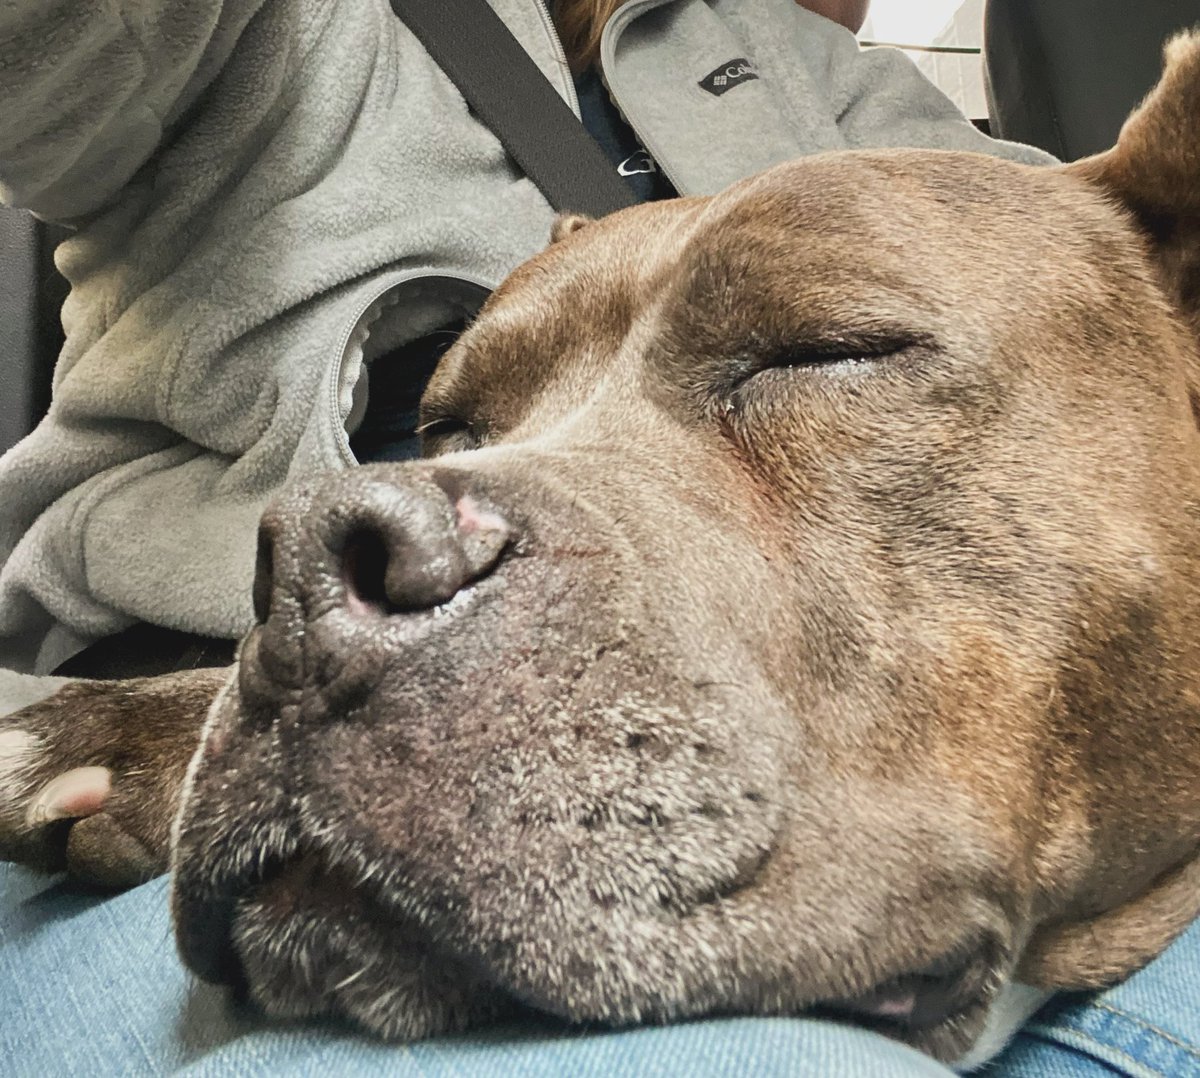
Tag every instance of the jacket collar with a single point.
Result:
(684, 81)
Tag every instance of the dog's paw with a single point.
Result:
(90, 777)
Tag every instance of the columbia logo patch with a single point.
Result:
(727, 76)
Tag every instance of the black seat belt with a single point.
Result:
(509, 93)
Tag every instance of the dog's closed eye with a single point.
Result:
(835, 355)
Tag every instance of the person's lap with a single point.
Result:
(91, 985)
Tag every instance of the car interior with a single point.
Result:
(1058, 74)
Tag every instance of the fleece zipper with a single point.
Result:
(561, 55)
(608, 53)
(386, 283)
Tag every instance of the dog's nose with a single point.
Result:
(398, 553)
(383, 544)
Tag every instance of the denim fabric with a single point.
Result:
(1147, 1027)
(90, 985)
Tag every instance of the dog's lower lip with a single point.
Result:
(204, 935)
(915, 1001)
(204, 913)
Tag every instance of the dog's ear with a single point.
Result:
(1154, 170)
(565, 224)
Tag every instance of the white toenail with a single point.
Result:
(80, 792)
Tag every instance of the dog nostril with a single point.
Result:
(264, 576)
(364, 569)
(402, 550)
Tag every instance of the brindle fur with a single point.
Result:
(798, 682)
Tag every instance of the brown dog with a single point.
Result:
(803, 609)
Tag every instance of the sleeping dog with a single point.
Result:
(799, 608)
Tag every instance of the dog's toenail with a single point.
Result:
(79, 792)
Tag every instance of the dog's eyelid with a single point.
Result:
(447, 424)
(850, 346)
(446, 434)
(835, 350)
(819, 357)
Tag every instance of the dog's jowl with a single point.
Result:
(799, 609)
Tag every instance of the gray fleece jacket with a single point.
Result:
(266, 193)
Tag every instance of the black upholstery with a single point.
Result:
(145, 650)
(17, 304)
(31, 297)
(1064, 74)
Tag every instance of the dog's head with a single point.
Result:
(800, 609)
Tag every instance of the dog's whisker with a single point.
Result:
(345, 982)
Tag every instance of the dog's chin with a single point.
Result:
(312, 943)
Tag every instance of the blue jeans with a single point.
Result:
(91, 986)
